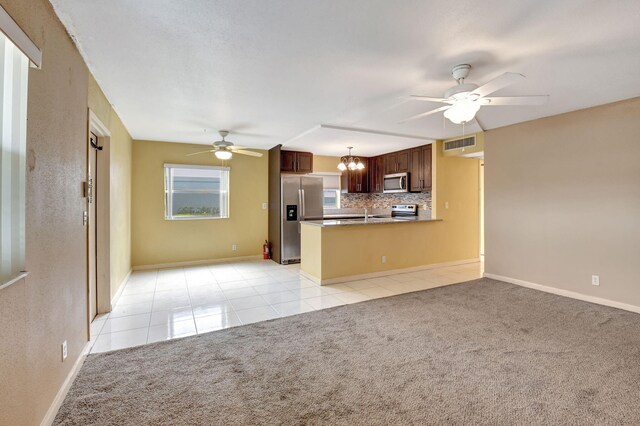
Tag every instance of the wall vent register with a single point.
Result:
(459, 143)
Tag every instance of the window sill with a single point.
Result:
(14, 280)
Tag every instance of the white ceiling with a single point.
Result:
(269, 71)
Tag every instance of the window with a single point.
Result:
(14, 73)
(331, 199)
(331, 189)
(196, 192)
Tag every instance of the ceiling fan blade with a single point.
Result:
(201, 152)
(424, 114)
(431, 99)
(498, 83)
(245, 152)
(517, 100)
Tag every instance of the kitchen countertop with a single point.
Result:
(369, 221)
(352, 216)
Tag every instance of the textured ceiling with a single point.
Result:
(269, 71)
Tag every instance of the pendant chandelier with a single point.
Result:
(349, 162)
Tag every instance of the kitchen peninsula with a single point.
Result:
(339, 250)
(344, 250)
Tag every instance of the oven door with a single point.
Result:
(397, 182)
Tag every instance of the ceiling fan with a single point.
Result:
(224, 150)
(465, 99)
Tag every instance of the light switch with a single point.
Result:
(264, 206)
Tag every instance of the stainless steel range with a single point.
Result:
(404, 210)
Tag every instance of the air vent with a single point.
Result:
(460, 143)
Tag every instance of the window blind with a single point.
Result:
(14, 72)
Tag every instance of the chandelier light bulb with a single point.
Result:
(342, 166)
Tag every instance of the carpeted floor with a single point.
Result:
(481, 352)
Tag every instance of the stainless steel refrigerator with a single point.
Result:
(301, 200)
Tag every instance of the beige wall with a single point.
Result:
(324, 163)
(50, 305)
(159, 241)
(120, 154)
(563, 201)
(456, 197)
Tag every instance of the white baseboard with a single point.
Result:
(566, 293)
(66, 385)
(194, 262)
(384, 273)
(116, 296)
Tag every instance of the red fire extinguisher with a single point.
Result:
(266, 250)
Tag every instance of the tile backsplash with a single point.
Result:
(384, 201)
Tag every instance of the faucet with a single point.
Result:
(366, 214)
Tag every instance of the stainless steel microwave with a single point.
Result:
(397, 182)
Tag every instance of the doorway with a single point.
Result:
(98, 218)
(92, 232)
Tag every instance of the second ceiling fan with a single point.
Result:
(224, 149)
(465, 99)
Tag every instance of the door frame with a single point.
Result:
(102, 197)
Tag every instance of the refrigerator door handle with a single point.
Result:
(301, 211)
(304, 210)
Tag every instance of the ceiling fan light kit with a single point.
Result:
(349, 162)
(462, 111)
(465, 99)
(223, 154)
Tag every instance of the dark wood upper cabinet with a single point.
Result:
(287, 161)
(376, 174)
(304, 162)
(296, 162)
(415, 170)
(426, 167)
(356, 181)
(390, 163)
(403, 161)
(420, 169)
(396, 162)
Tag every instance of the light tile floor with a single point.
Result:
(169, 303)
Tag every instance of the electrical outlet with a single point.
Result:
(595, 279)
(384, 259)
(234, 247)
(446, 204)
(264, 206)
(64, 350)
